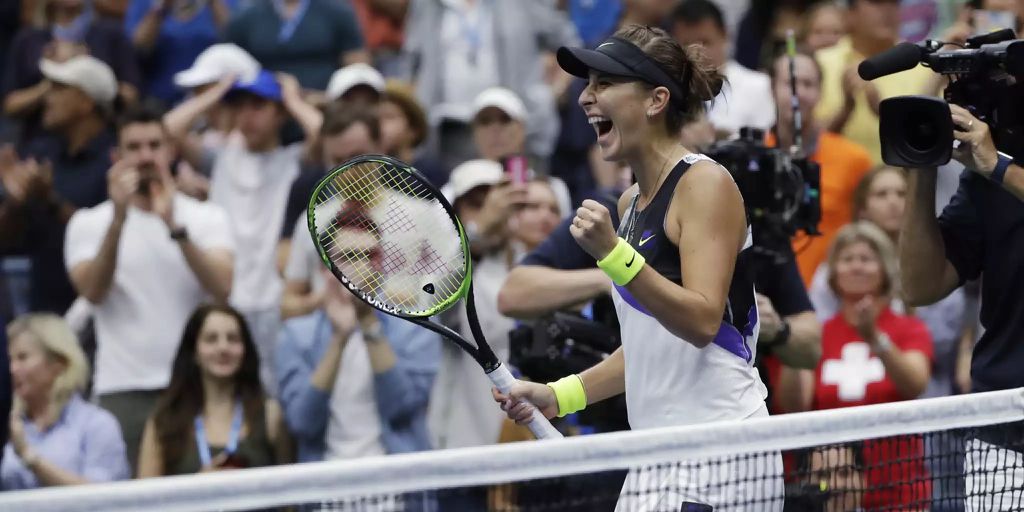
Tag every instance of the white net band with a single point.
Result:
(395, 475)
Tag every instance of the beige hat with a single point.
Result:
(216, 62)
(86, 73)
(471, 174)
(502, 99)
(352, 75)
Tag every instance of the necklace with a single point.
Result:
(635, 210)
(661, 176)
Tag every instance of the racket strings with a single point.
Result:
(429, 261)
(386, 232)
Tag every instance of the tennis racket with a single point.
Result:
(395, 242)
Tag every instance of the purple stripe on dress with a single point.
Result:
(631, 300)
(730, 339)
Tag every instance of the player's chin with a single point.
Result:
(611, 153)
(610, 145)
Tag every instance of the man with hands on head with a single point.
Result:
(145, 259)
(251, 177)
(980, 233)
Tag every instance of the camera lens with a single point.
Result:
(915, 131)
(920, 132)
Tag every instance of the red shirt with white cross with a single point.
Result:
(851, 374)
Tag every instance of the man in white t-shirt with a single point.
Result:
(145, 259)
(251, 177)
(746, 100)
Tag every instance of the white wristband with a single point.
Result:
(883, 343)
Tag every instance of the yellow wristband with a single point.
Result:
(570, 394)
(623, 263)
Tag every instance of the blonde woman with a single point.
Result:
(56, 437)
(872, 355)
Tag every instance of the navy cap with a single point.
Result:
(264, 85)
(619, 57)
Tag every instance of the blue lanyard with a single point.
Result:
(76, 30)
(204, 447)
(471, 31)
(289, 25)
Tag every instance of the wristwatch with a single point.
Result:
(883, 343)
(781, 337)
(473, 234)
(374, 333)
(179, 234)
(1002, 163)
(30, 459)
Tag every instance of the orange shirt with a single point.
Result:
(843, 164)
(379, 31)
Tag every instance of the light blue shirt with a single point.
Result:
(86, 440)
(401, 393)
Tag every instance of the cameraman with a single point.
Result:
(980, 232)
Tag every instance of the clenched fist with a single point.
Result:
(592, 228)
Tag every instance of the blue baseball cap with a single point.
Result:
(264, 85)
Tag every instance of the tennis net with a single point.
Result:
(945, 454)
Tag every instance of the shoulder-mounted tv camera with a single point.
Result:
(985, 77)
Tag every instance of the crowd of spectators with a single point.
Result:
(158, 155)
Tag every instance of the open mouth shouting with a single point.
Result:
(602, 125)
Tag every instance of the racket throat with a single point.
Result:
(491, 365)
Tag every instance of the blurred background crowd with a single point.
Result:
(166, 312)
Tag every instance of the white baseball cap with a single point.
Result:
(85, 72)
(502, 99)
(216, 62)
(471, 174)
(352, 75)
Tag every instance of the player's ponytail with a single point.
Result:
(690, 67)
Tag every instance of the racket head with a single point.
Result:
(390, 237)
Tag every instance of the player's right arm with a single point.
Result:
(601, 381)
(927, 274)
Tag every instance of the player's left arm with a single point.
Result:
(707, 213)
(605, 379)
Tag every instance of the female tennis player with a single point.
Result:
(684, 298)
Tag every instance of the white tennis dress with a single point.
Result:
(670, 382)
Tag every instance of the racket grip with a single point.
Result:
(539, 425)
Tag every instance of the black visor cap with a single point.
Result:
(618, 57)
(579, 61)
